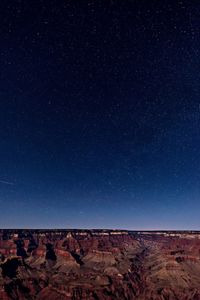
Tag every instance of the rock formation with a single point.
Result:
(99, 264)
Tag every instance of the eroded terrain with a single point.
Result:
(99, 264)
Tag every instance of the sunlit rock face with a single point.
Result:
(103, 264)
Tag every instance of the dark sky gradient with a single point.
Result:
(100, 114)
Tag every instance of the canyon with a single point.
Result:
(99, 265)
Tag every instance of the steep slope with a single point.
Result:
(92, 265)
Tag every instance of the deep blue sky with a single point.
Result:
(100, 114)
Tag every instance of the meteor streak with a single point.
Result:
(6, 182)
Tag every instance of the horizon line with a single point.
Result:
(102, 229)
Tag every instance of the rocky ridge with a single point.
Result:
(99, 264)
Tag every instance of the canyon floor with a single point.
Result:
(99, 265)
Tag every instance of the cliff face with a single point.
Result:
(94, 265)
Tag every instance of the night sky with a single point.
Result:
(100, 114)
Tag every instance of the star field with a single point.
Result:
(99, 114)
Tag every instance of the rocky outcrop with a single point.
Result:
(99, 265)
